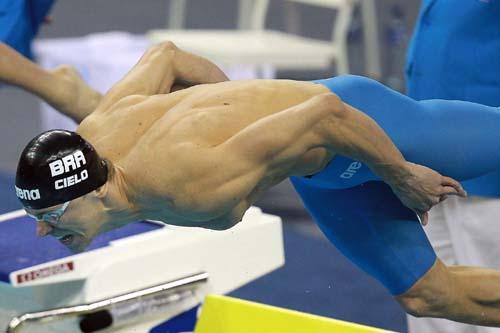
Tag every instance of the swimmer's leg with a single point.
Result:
(457, 139)
(375, 231)
(461, 293)
(370, 226)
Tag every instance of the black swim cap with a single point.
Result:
(58, 166)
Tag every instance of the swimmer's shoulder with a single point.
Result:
(164, 101)
(122, 103)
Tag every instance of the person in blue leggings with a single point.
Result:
(262, 131)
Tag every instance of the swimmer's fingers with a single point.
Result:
(448, 190)
(43, 229)
(423, 218)
(453, 187)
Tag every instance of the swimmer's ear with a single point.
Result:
(102, 191)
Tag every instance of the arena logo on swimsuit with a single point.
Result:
(67, 164)
(351, 170)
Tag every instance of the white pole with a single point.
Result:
(371, 39)
(176, 14)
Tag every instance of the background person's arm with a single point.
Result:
(62, 87)
(161, 68)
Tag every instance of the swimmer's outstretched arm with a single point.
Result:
(324, 121)
(62, 87)
(160, 68)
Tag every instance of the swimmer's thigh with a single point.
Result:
(371, 227)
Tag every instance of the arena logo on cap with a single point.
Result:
(66, 164)
(29, 195)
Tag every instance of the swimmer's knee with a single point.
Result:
(162, 49)
(432, 295)
(166, 46)
(361, 83)
(331, 107)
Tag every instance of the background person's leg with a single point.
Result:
(419, 325)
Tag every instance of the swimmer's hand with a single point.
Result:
(420, 188)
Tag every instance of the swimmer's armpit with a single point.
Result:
(158, 70)
(182, 84)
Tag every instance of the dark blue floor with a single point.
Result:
(8, 199)
(316, 279)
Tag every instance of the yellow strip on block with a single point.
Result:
(222, 314)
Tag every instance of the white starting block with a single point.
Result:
(133, 279)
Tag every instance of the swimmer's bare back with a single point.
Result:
(200, 156)
(173, 147)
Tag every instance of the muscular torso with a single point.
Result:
(167, 146)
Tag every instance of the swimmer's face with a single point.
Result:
(76, 226)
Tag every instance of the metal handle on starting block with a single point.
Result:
(187, 283)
